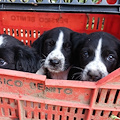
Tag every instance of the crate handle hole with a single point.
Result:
(102, 113)
(67, 118)
(76, 110)
(11, 0)
(52, 1)
(53, 107)
(82, 1)
(111, 1)
(3, 111)
(87, 24)
(93, 112)
(53, 117)
(25, 1)
(98, 21)
(116, 96)
(93, 22)
(39, 1)
(97, 1)
(32, 114)
(83, 112)
(39, 115)
(68, 1)
(103, 21)
(107, 96)
(10, 113)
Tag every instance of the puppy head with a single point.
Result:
(15, 55)
(7, 58)
(55, 48)
(98, 56)
(21, 58)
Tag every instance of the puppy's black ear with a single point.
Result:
(26, 59)
(77, 39)
(37, 44)
(118, 64)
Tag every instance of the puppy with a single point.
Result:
(15, 55)
(55, 48)
(98, 56)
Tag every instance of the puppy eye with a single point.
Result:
(51, 43)
(110, 58)
(2, 62)
(85, 54)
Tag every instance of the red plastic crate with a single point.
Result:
(27, 96)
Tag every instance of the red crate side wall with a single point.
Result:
(28, 26)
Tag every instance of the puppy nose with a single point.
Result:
(95, 76)
(54, 62)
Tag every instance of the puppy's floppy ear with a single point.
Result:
(37, 44)
(26, 59)
(77, 38)
(118, 65)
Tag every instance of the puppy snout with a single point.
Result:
(54, 62)
(95, 76)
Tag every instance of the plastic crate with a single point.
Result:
(27, 96)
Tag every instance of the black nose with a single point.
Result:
(95, 76)
(54, 62)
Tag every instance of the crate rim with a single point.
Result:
(60, 7)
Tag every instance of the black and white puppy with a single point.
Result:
(15, 55)
(98, 56)
(55, 48)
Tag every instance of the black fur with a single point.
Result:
(15, 55)
(110, 46)
(45, 44)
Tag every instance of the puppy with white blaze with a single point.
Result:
(98, 56)
(55, 48)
